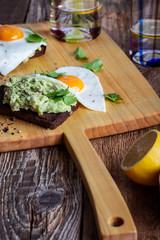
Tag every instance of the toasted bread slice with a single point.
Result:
(46, 120)
(40, 52)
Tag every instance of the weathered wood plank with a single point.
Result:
(116, 21)
(12, 12)
(40, 195)
(38, 11)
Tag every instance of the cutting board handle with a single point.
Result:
(113, 218)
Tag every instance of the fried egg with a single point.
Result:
(86, 86)
(14, 49)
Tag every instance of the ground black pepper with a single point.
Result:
(5, 129)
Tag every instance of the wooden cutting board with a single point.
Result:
(140, 109)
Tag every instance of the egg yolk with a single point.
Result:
(10, 33)
(73, 82)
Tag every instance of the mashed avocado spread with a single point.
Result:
(38, 94)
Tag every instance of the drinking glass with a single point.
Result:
(75, 20)
(145, 32)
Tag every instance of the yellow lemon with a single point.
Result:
(142, 161)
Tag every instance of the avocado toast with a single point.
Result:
(37, 99)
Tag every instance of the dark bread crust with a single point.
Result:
(47, 120)
(38, 52)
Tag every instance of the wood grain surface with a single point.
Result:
(140, 108)
(26, 176)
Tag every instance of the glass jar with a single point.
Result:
(75, 20)
(145, 32)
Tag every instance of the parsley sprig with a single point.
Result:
(35, 38)
(114, 97)
(94, 66)
(62, 94)
(79, 54)
(52, 74)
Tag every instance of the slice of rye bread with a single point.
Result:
(39, 52)
(46, 120)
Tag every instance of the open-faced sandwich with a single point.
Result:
(17, 45)
(40, 100)
(47, 101)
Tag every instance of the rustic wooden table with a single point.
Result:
(42, 196)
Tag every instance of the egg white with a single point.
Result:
(91, 96)
(12, 53)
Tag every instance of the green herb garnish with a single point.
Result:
(69, 100)
(58, 93)
(113, 97)
(80, 54)
(62, 94)
(52, 74)
(35, 38)
(94, 66)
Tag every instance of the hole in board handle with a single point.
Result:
(115, 221)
